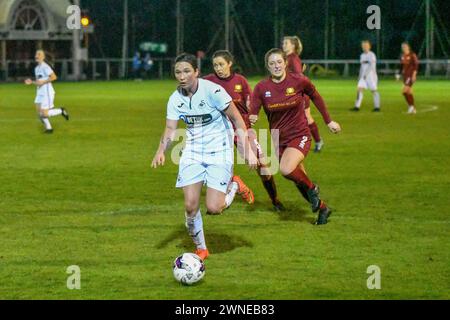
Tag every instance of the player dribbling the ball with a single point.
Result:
(281, 96)
(208, 156)
(239, 89)
(45, 95)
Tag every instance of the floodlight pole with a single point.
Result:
(227, 24)
(326, 34)
(180, 29)
(276, 28)
(125, 39)
(76, 47)
(427, 27)
(378, 37)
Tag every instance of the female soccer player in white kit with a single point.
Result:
(208, 157)
(368, 78)
(45, 94)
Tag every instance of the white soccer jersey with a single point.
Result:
(209, 130)
(43, 72)
(368, 65)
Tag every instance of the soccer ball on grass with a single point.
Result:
(188, 268)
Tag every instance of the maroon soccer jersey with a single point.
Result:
(294, 64)
(238, 88)
(410, 63)
(284, 105)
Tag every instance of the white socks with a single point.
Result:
(46, 123)
(194, 224)
(359, 99)
(54, 112)
(195, 228)
(231, 194)
(376, 100)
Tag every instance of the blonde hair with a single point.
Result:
(41, 51)
(366, 41)
(296, 42)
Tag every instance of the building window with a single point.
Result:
(29, 16)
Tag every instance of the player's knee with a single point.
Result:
(286, 170)
(191, 207)
(214, 208)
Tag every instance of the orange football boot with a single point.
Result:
(245, 192)
(202, 253)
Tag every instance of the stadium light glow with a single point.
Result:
(85, 21)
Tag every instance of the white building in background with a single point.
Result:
(28, 25)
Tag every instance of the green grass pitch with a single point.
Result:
(87, 196)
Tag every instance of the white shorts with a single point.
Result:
(370, 83)
(215, 171)
(46, 101)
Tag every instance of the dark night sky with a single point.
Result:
(155, 21)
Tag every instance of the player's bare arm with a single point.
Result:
(241, 130)
(166, 140)
(40, 83)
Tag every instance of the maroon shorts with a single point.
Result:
(407, 81)
(302, 144)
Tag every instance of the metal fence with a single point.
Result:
(95, 69)
(110, 69)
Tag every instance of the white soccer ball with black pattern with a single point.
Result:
(188, 268)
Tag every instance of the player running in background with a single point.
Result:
(410, 66)
(368, 78)
(45, 95)
(208, 156)
(238, 88)
(293, 48)
(281, 96)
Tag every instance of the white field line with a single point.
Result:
(11, 120)
(134, 210)
(428, 109)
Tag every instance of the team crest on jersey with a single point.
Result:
(238, 88)
(290, 91)
(268, 94)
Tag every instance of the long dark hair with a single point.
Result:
(227, 55)
(189, 58)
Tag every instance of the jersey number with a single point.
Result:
(303, 142)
